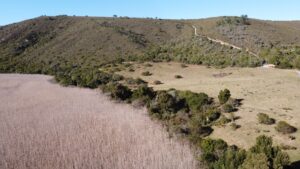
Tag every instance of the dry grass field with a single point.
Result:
(272, 91)
(46, 126)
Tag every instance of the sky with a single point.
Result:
(17, 10)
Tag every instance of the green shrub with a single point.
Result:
(117, 91)
(232, 158)
(265, 119)
(222, 121)
(224, 96)
(234, 126)
(212, 115)
(210, 146)
(259, 161)
(157, 82)
(164, 105)
(228, 108)
(275, 157)
(143, 91)
(147, 73)
(285, 128)
(195, 101)
(178, 77)
(183, 65)
(148, 65)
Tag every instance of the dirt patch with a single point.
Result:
(44, 125)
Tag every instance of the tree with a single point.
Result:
(224, 96)
(245, 19)
(256, 161)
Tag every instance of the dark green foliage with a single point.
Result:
(275, 157)
(212, 115)
(228, 108)
(224, 96)
(263, 155)
(143, 93)
(232, 158)
(195, 101)
(265, 119)
(243, 20)
(157, 82)
(83, 77)
(210, 145)
(282, 57)
(147, 73)
(285, 128)
(259, 161)
(138, 81)
(178, 77)
(222, 121)
(117, 91)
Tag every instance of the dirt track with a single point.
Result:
(46, 126)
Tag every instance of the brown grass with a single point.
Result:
(45, 126)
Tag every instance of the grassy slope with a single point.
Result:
(50, 42)
(259, 33)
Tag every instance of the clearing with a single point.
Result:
(272, 91)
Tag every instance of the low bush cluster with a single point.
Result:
(224, 96)
(285, 128)
(218, 155)
(147, 73)
(118, 91)
(265, 119)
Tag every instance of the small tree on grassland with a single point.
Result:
(224, 96)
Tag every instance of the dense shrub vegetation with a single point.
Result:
(282, 57)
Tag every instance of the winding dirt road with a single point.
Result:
(224, 43)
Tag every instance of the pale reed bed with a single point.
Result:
(46, 126)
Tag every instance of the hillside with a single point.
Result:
(255, 34)
(48, 44)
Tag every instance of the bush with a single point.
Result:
(118, 91)
(147, 73)
(234, 126)
(157, 82)
(143, 93)
(148, 65)
(210, 145)
(178, 77)
(222, 121)
(276, 158)
(224, 96)
(212, 115)
(195, 101)
(256, 161)
(265, 119)
(285, 128)
(165, 105)
(228, 108)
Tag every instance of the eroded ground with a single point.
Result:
(264, 90)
